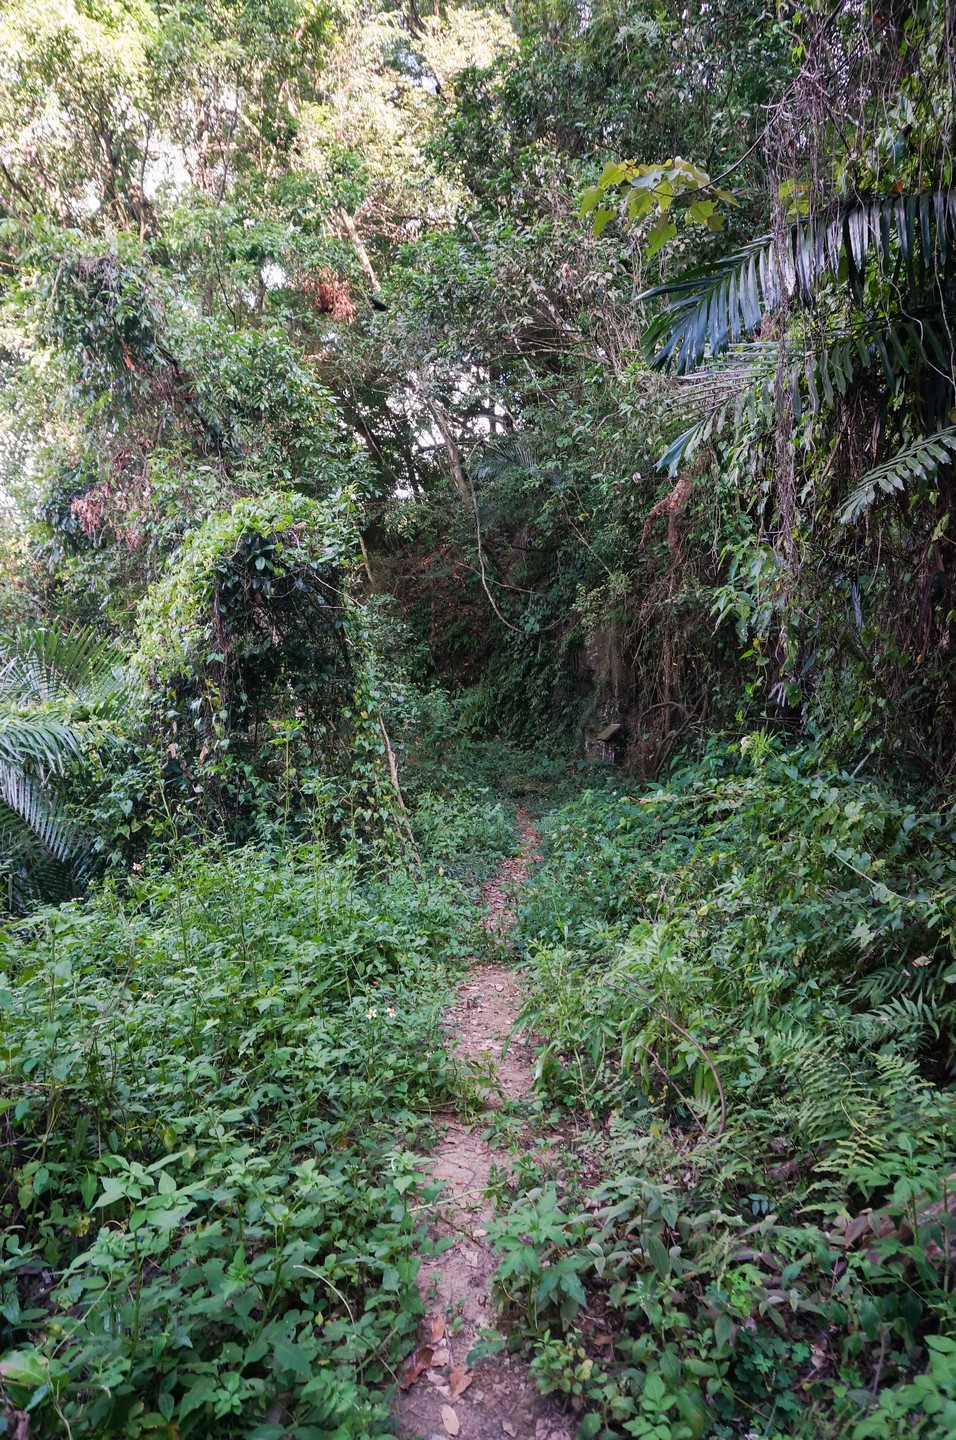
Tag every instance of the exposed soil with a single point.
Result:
(496, 1397)
(498, 894)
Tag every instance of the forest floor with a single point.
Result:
(440, 1394)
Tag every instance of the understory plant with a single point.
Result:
(66, 707)
(210, 1086)
(745, 978)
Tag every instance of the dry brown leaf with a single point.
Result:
(277, 1413)
(508, 1428)
(450, 1420)
(459, 1380)
(419, 1362)
(442, 1355)
(437, 1327)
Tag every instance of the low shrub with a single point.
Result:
(209, 1085)
(746, 976)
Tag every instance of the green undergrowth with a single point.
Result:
(213, 1083)
(468, 838)
(465, 792)
(744, 984)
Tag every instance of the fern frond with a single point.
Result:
(903, 1019)
(918, 461)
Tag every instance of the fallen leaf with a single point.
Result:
(419, 1362)
(450, 1420)
(604, 1340)
(276, 1414)
(459, 1380)
(441, 1355)
(437, 1327)
(508, 1428)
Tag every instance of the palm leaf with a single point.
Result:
(29, 873)
(51, 666)
(918, 461)
(735, 385)
(38, 739)
(504, 458)
(740, 383)
(61, 696)
(713, 307)
(37, 808)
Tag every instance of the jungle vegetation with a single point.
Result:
(394, 399)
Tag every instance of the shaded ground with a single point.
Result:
(444, 1395)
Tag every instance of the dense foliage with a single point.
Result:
(404, 412)
(214, 1085)
(754, 993)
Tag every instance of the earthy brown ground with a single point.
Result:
(496, 1397)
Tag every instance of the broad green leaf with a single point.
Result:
(660, 235)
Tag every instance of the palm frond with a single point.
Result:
(918, 461)
(734, 384)
(38, 739)
(504, 458)
(29, 873)
(716, 306)
(62, 696)
(50, 666)
(740, 383)
(38, 809)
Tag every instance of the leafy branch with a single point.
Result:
(674, 187)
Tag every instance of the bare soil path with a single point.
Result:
(442, 1394)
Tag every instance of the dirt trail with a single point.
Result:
(496, 1397)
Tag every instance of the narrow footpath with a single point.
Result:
(439, 1394)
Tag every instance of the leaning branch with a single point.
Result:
(351, 230)
(465, 489)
